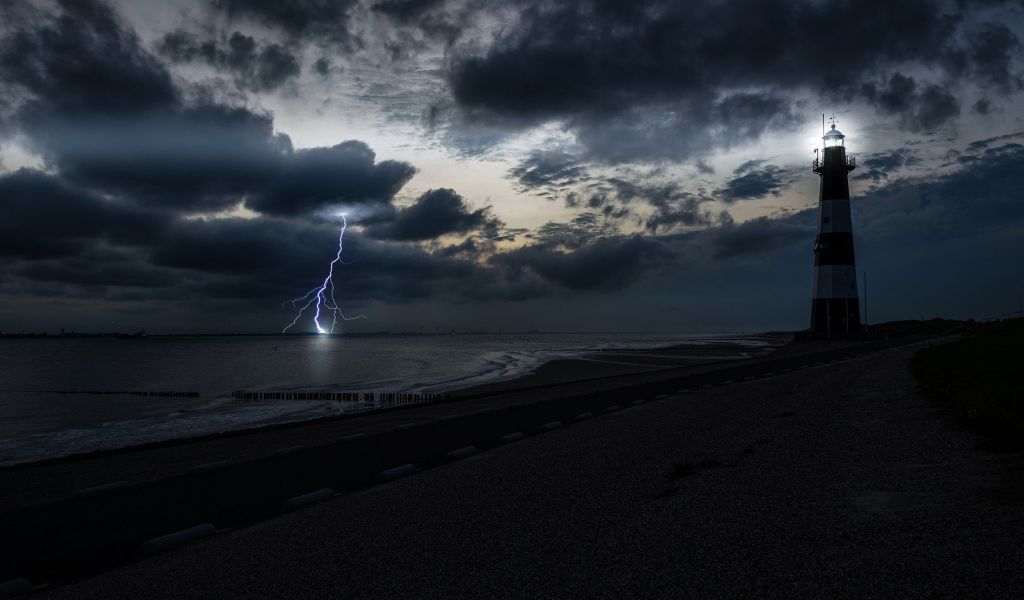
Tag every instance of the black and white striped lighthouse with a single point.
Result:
(835, 310)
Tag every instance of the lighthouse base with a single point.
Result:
(835, 317)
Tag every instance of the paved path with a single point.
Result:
(834, 481)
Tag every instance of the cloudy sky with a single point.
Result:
(587, 165)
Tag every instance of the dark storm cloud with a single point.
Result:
(405, 11)
(918, 108)
(45, 217)
(188, 158)
(315, 19)
(683, 211)
(544, 170)
(253, 67)
(144, 141)
(649, 79)
(751, 181)
(977, 200)
(685, 128)
(878, 166)
(322, 66)
(758, 237)
(607, 263)
(979, 145)
(673, 207)
(81, 62)
(318, 178)
(992, 49)
(435, 213)
(99, 268)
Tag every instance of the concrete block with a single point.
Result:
(306, 499)
(395, 473)
(460, 453)
(167, 542)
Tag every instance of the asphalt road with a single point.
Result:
(834, 481)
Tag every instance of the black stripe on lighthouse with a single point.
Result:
(834, 248)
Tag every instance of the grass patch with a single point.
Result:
(981, 378)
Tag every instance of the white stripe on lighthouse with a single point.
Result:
(835, 216)
(835, 281)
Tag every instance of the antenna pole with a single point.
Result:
(822, 124)
(865, 298)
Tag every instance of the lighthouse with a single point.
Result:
(835, 310)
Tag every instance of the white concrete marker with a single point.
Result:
(395, 473)
(512, 437)
(353, 436)
(583, 416)
(460, 453)
(178, 538)
(307, 499)
(551, 425)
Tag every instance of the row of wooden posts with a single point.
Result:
(376, 398)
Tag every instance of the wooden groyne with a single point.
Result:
(380, 399)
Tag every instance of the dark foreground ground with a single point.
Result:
(838, 481)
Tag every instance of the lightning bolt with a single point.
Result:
(322, 297)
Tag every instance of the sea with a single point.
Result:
(69, 395)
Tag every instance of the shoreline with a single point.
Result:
(616, 362)
(590, 364)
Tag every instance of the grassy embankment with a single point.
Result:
(981, 378)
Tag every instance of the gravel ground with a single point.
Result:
(837, 481)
